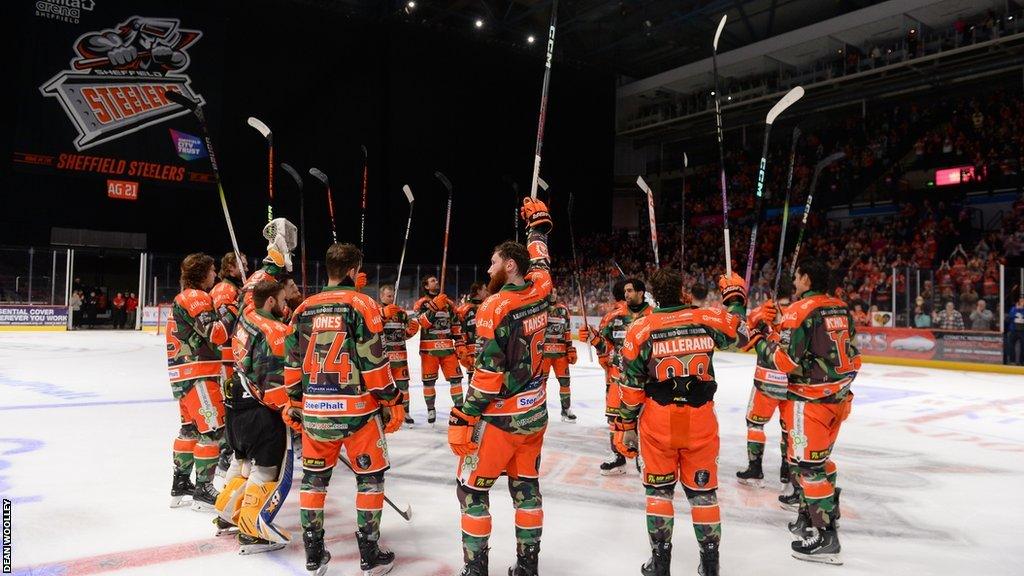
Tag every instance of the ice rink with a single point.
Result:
(931, 463)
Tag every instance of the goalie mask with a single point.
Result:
(282, 236)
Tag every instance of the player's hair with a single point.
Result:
(637, 283)
(385, 287)
(817, 271)
(619, 290)
(229, 259)
(341, 258)
(667, 287)
(516, 252)
(699, 291)
(475, 287)
(265, 289)
(194, 269)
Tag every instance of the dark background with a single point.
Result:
(419, 99)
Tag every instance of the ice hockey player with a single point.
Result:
(398, 327)
(466, 314)
(559, 352)
(500, 428)
(256, 402)
(769, 389)
(225, 296)
(194, 333)
(349, 400)
(814, 347)
(608, 341)
(438, 338)
(669, 385)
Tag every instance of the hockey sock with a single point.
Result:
(529, 512)
(369, 502)
(403, 386)
(456, 390)
(429, 394)
(183, 459)
(817, 494)
(476, 522)
(707, 517)
(563, 393)
(755, 441)
(831, 472)
(206, 453)
(660, 514)
(312, 495)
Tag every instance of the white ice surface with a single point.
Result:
(931, 463)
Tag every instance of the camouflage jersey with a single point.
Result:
(194, 334)
(508, 389)
(612, 332)
(556, 335)
(396, 331)
(815, 348)
(668, 355)
(440, 330)
(270, 271)
(258, 350)
(337, 353)
(771, 381)
(225, 301)
(467, 324)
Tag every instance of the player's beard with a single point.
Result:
(278, 310)
(498, 279)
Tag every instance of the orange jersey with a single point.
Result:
(225, 301)
(194, 334)
(439, 329)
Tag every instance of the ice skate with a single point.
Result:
(252, 545)
(431, 416)
(801, 524)
(568, 416)
(614, 467)
(317, 556)
(373, 560)
(660, 560)
(204, 497)
(708, 559)
(753, 475)
(526, 562)
(477, 566)
(791, 501)
(181, 490)
(818, 545)
(784, 472)
(224, 528)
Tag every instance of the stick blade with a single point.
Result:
(408, 193)
(788, 100)
(259, 125)
(181, 100)
(293, 173)
(718, 33)
(444, 180)
(319, 175)
(543, 185)
(686, 160)
(408, 513)
(643, 185)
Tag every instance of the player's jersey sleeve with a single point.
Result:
(370, 358)
(636, 352)
(603, 342)
(424, 315)
(201, 316)
(225, 302)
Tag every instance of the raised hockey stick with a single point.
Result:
(189, 104)
(407, 513)
(721, 148)
(302, 220)
(619, 268)
(264, 130)
(788, 100)
(785, 211)
(362, 217)
(408, 226)
(650, 216)
(515, 209)
(319, 175)
(807, 207)
(576, 274)
(543, 101)
(447, 225)
(682, 218)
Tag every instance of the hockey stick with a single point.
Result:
(407, 513)
(189, 104)
(302, 220)
(650, 216)
(264, 130)
(319, 175)
(619, 268)
(408, 226)
(447, 225)
(515, 209)
(788, 100)
(543, 101)
(807, 207)
(721, 148)
(362, 217)
(785, 211)
(682, 219)
(576, 274)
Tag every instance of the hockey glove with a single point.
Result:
(571, 354)
(762, 315)
(360, 281)
(624, 438)
(393, 417)
(464, 358)
(732, 288)
(391, 310)
(535, 214)
(439, 302)
(292, 417)
(460, 432)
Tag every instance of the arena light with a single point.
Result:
(479, 23)
(410, 4)
(530, 39)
